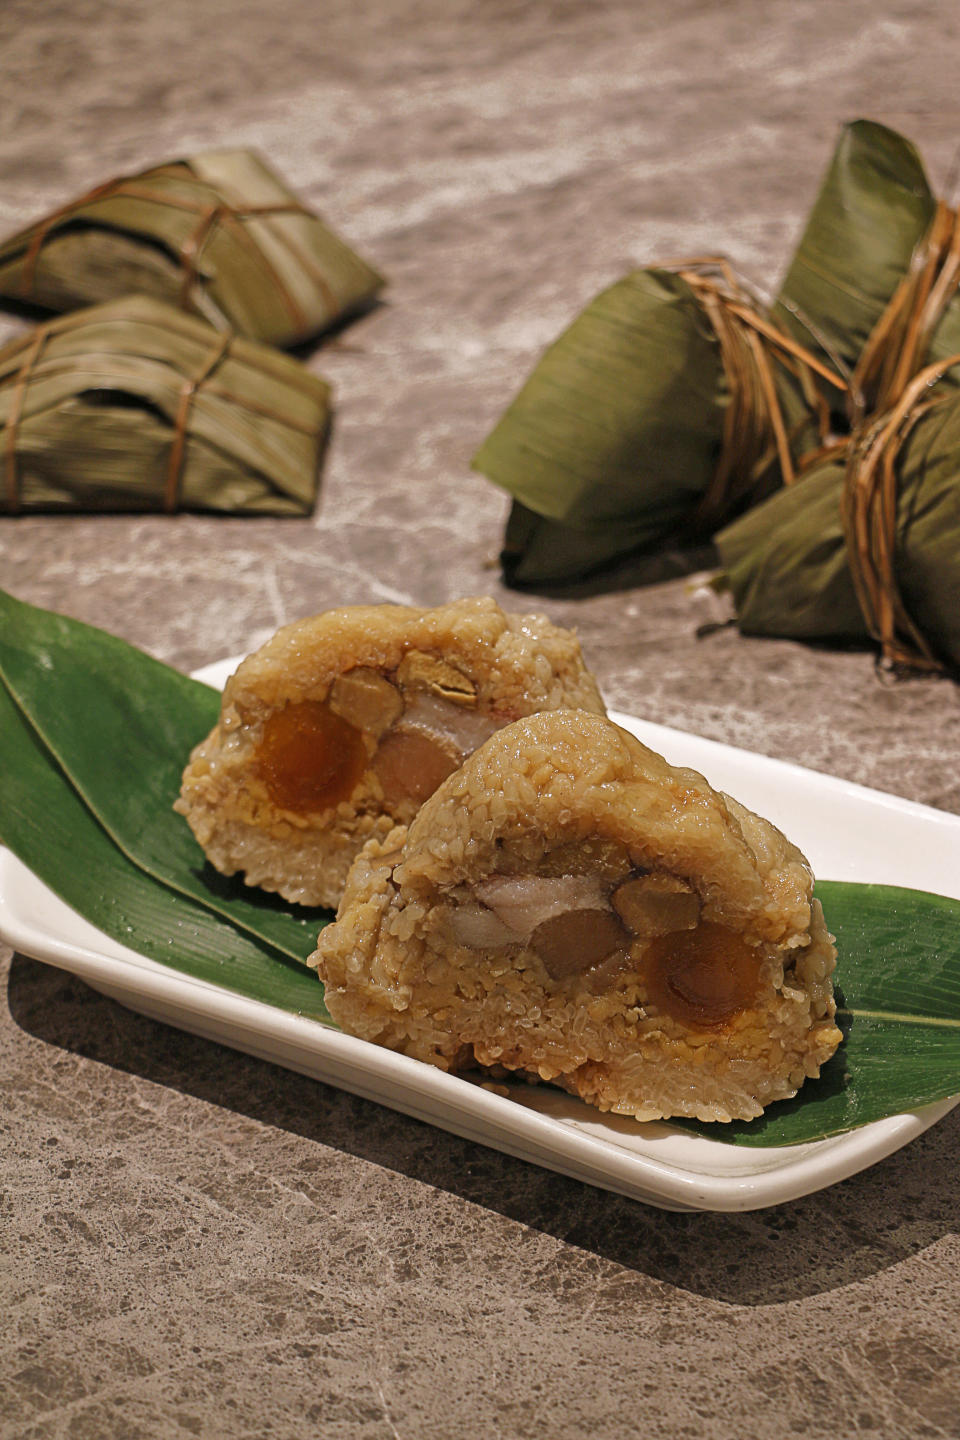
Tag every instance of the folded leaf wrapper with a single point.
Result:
(135, 406)
(216, 234)
(91, 735)
(873, 284)
(788, 561)
(872, 210)
(660, 412)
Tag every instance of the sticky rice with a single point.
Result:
(569, 907)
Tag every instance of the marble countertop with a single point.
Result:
(199, 1243)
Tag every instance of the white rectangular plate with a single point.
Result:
(847, 832)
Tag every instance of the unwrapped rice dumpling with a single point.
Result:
(342, 725)
(218, 234)
(570, 907)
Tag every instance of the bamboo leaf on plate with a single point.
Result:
(47, 826)
(121, 725)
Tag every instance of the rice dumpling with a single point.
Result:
(134, 405)
(218, 234)
(341, 726)
(667, 406)
(824, 561)
(570, 907)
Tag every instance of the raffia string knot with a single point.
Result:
(898, 344)
(889, 393)
(869, 512)
(756, 436)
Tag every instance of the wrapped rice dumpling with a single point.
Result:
(135, 406)
(341, 726)
(217, 234)
(665, 408)
(866, 545)
(570, 907)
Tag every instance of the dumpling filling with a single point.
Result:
(314, 755)
(694, 971)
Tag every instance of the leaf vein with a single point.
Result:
(937, 1021)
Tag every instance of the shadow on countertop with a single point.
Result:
(811, 1246)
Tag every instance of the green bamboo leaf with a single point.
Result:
(617, 430)
(47, 826)
(898, 983)
(614, 440)
(121, 725)
(874, 205)
(556, 559)
(785, 560)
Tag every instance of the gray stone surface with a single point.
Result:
(197, 1243)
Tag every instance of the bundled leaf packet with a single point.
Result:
(631, 438)
(867, 545)
(134, 405)
(217, 234)
(669, 404)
